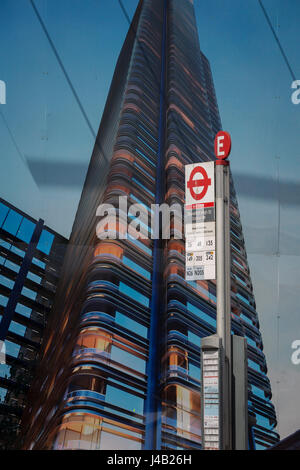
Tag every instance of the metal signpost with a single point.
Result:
(208, 257)
(222, 150)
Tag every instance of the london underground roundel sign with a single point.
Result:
(199, 185)
(203, 182)
(222, 145)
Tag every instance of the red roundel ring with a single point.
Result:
(203, 182)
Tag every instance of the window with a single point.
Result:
(26, 230)
(124, 400)
(4, 281)
(3, 213)
(184, 413)
(12, 349)
(5, 370)
(17, 251)
(238, 278)
(204, 316)
(17, 328)
(12, 222)
(238, 264)
(144, 156)
(140, 245)
(128, 360)
(136, 267)
(29, 293)
(5, 244)
(114, 442)
(243, 299)
(251, 342)
(142, 186)
(194, 371)
(3, 300)
(134, 294)
(194, 338)
(244, 317)
(145, 143)
(258, 392)
(45, 242)
(39, 263)
(26, 311)
(206, 292)
(140, 202)
(262, 421)
(89, 432)
(34, 277)
(254, 365)
(147, 132)
(14, 267)
(130, 324)
(3, 392)
(144, 171)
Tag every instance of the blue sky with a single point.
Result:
(253, 87)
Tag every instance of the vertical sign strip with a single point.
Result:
(211, 399)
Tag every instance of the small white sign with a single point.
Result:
(200, 258)
(194, 243)
(200, 224)
(199, 184)
(202, 229)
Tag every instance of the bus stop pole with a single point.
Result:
(223, 260)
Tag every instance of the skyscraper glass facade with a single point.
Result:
(31, 255)
(121, 364)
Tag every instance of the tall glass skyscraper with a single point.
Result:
(121, 365)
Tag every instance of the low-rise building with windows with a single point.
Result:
(31, 256)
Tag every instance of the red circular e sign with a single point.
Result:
(222, 145)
